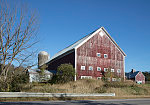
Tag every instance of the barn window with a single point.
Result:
(98, 68)
(90, 68)
(105, 69)
(105, 56)
(108, 79)
(99, 78)
(118, 71)
(114, 79)
(98, 54)
(112, 70)
(82, 67)
(89, 77)
(119, 79)
(101, 33)
(86, 77)
(90, 44)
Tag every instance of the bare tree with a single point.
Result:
(18, 28)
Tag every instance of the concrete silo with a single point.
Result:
(43, 57)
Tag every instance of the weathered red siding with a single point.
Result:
(87, 56)
(140, 77)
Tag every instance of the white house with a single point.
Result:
(34, 75)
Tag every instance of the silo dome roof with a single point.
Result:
(43, 53)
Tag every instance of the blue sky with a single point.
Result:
(62, 22)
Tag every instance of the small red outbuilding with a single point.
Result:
(136, 76)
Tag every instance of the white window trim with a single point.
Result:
(91, 67)
(105, 69)
(118, 71)
(112, 70)
(119, 79)
(86, 77)
(106, 55)
(91, 44)
(108, 79)
(82, 67)
(101, 33)
(98, 68)
(99, 78)
(98, 54)
(114, 79)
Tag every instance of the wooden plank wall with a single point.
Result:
(87, 56)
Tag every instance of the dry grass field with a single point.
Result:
(123, 90)
(127, 88)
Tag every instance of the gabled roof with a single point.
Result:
(131, 75)
(69, 48)
(36, 71)
(81, 41)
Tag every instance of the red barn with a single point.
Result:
(91, 56)
(136, 76)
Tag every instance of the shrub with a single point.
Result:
(17, 82)
(65, 73)
(119, 84)
(4, 86)
(139, 90)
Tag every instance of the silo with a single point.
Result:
(43, 57)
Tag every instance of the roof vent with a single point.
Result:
(133, 70)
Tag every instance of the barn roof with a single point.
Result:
(131, 75)
(69, 48)
(73, 46)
